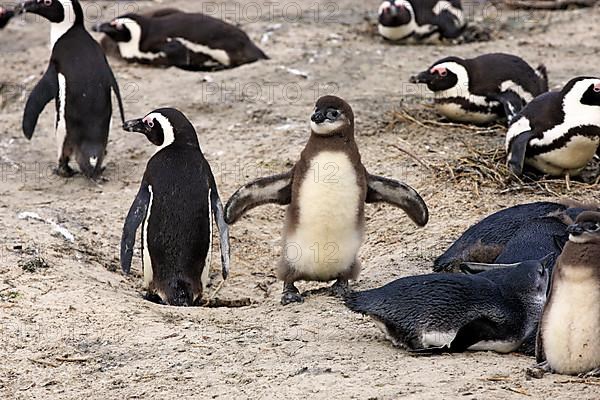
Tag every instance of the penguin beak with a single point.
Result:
(27, 6)
(574, 229)
(318, 117)
(104, 28)
(136, 125)
(423, 77)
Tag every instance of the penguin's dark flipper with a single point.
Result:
(399, 194)
(517, 152)
(449, 25)
(272, 189)
(217, 209)
(134, 218)
(115, 87)
(45, 90)
(511, 102)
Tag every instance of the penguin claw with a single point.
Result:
(595, 373)
(64, 171)
(290, 297)
(339, 289)
(537, 371)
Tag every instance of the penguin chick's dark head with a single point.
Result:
(527, 277)
(585, 88)
(394, 13)
(54, 11)
(120, 29)
(332, 116)
(442, 75)
(164, 127)
(586, 228)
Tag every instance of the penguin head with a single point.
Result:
(163, 127)
(586, 228)
(90, 157)
(332, 116)
(55, 11)
(529, 277)
(178, 293)
(5, 16)
(393, 13)
(122, 29)
(443, 75)
(583, 89)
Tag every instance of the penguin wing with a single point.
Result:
(217, 209)
(399, 194)
(272, 189)
(517, 151)
(540, 356)
(115, 87)
(45, 90)
(449, 25)
(132, 222)
(511, 102)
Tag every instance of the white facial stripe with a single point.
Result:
(516, 88)
(167, 128)
(147, 261)
(384, 5)
(520, 126)
(57, 29)
(461, 89)
(325, 128)
(60, 124)
(131, 49)
(447, 6)
(220, 55)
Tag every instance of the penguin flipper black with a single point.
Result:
(45, 90)
(134, 218)
(448, 25)
(115, 86)
(399, 194)
(272, 189)
(217, 209)
(517, 151)
(511, 102)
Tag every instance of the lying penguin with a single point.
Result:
(5, 16)
(558, 132)
(414, 21)
(491, 311)
(523, 232)
(176, 203)
(568, 340)
(193, 42)
(483, 89)
(326, 191)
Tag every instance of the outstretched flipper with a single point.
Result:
(272, 189)
(511, 102)
(217, 209)
(517, 151)
(45, 90)
(134, 218)
(399, 194)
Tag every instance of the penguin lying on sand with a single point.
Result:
(176, 203)
(326, 191)
(483, 89)
(81, 82)
(169, 37)
(558, 132)
(495, 310)
(5, 16)
(569, 334)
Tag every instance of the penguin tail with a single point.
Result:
(180, 294)
(357, 302)
(542, 73)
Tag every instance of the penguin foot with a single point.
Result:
(339, 288)
(290, 294)
(595, 373)
(537, 371)
(64, 171)
(154, 298)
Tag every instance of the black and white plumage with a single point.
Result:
(420, 20)
(483, 89)
(81, 82)
(169, 37)
(495, 310)
(558, 132)
(176, 202)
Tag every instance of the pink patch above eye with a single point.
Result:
(597, 87)
(148, 121)
(439, 70)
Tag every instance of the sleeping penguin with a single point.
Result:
(482, 89)
(414, 21)
(558, 132)
(193, 42)
(176, 203)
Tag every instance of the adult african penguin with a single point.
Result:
(81, 82)
(420, 20)
(568, 340)
(558, 132)
(495, 310)
(483, 89)
(325, 192)
(5, 16)
(194, 42)
(176, 203)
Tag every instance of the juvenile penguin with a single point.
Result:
(81, 82)
(558, 132)
(483, 89)
(176, 203)
(194, 42)
(5, 16)
(420, 20)
(495, 310)
(568, 337)
(326, 191)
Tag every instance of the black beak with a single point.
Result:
(318, 117)
(575, 229)
(423, 77)
(136, 125)
(27, 6)
(105, 27)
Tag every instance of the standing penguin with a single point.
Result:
(420, 20)
(495, 310)
(175, 204)
(483, 89)
(80, 80)
(194, 42)
(558, 132)
(568, 337)
(326, 191)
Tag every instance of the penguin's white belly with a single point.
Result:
(328, 235)
(572, 157)
(403, 33)
(60, 123)
(499, 346)
(571, 326)
(455, 112)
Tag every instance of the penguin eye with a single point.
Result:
(443, 72)
(150, 123)
(596, 89)
(333, 114)
(47, 3)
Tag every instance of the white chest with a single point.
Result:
(455, 112)
(572, 157)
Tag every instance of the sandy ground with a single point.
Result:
(78, 328)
